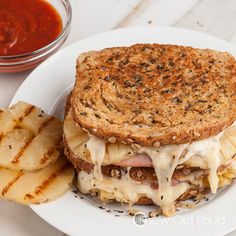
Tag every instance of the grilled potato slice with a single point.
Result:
(29, 139)
(37, 187)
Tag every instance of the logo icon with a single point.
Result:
(139, 219)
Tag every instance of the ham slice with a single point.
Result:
(155, 185)
(139, 160)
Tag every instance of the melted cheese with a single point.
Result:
(209, 150)
(165, 159)
(128, 190)
(96, 148)
(124, 190)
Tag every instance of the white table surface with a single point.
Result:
(216, 17)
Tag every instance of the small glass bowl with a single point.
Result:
(28, 61)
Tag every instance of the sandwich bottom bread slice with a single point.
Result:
(163, 176)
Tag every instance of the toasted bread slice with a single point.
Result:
(153, 94)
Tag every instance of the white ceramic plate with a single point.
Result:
(47, 87)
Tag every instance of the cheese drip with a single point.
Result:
(209, 150)
(123, 190)
(165, 160)
(97, 149)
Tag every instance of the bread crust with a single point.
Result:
(153, 94)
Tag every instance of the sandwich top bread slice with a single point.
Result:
(152, 94)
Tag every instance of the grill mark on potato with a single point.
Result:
(21, 152)
(44, 185)
(28, 110)
(10, 184)
(50, 179)
(47, 155)
(44, 124)
(28, 196)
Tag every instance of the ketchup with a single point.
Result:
(27, 25)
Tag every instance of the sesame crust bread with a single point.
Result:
(153, 94)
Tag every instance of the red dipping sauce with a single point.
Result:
(27, 25)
